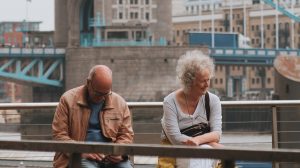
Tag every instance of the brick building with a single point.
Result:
(244, 17)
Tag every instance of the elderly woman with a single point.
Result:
(192, 105)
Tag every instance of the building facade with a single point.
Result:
(250, 18)
(112, 23)
(15, 34)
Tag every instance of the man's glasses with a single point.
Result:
(99, 94)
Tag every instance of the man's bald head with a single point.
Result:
(99, 80)
(100, 69)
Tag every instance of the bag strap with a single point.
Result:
(207, 109)
(207, 106)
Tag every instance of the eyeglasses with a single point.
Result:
(99, 94)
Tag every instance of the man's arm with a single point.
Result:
(125, 132)
(60, 123)
(125, 135)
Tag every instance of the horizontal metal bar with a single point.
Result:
(280, 155)
(4, 106)
(225, 104)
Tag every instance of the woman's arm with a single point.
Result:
(170, 124)
(215, 124)
(211, 137)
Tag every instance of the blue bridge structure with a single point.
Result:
(45, 66)
(38, 66)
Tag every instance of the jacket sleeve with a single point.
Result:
(125, 132)
(60, 124)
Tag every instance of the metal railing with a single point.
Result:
(229, 155)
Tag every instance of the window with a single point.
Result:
(216, 81)
(120, 15)
(131, 15)
(257, 80)
(287, 88)
(221, 81)
(146, 2)
(117, 35)
(255, 1)
(147, 16)
(120, 1)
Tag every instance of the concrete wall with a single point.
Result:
(139, 73)
(287, 89)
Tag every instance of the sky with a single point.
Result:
(36, 10)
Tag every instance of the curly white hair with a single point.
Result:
(190, 63)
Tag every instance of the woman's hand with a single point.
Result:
(191, 142)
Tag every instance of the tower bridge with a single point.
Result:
(39, 66)
(45, 66)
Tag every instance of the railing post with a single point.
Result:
(274, 132)
(228, 164)
(75, 160)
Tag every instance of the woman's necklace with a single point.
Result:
(187, 106)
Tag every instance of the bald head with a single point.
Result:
(102, 69)
(99, 81)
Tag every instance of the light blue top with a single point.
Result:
(94, 132)
(174, 119)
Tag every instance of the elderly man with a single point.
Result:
(93, 113)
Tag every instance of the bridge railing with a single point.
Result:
(31, 52)
(242, 115)
(239, 118)
(227, 155)
(249, 56)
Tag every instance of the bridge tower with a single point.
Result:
(61, 24)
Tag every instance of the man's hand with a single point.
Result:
(114, 158)
(93, 156)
